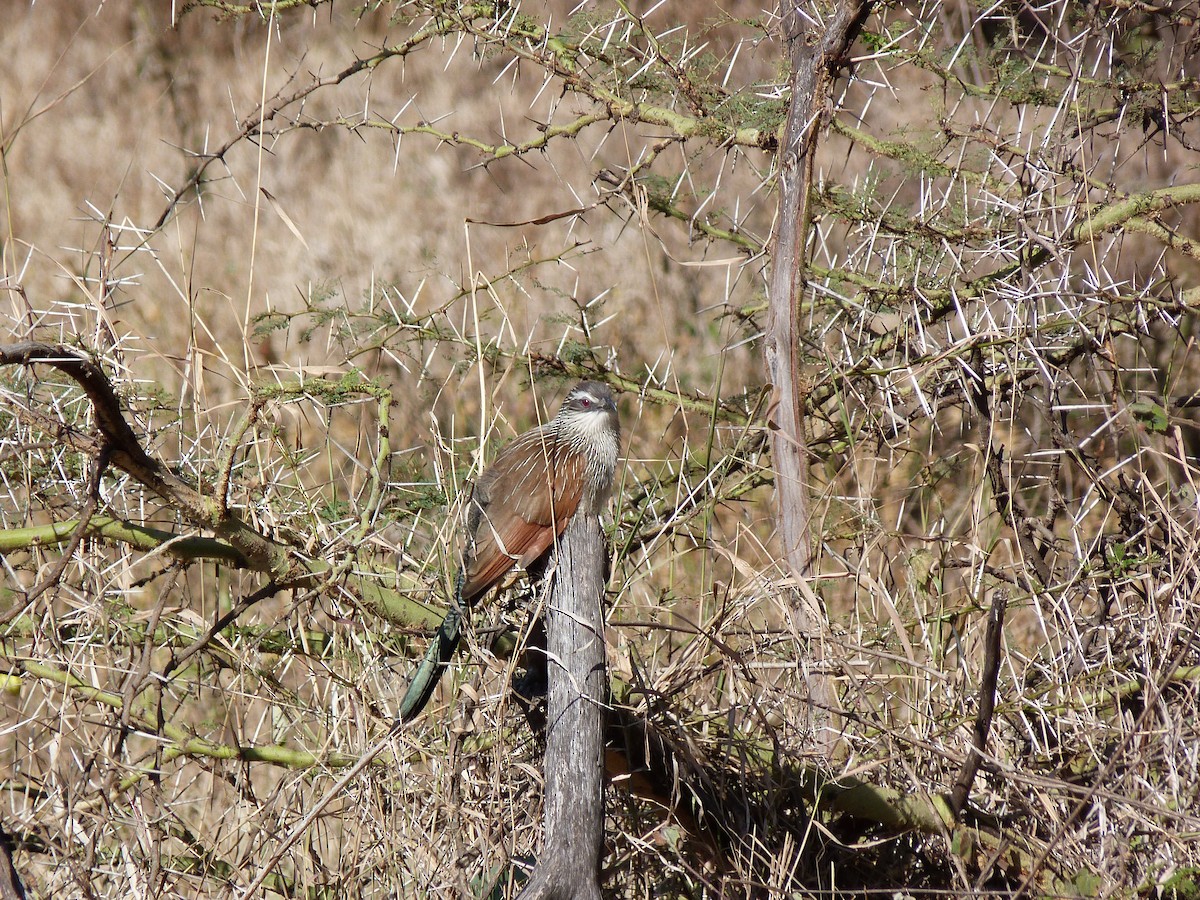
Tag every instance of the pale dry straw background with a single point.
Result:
(394, 293)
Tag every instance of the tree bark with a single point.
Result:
(11, 887)
(814, 60)
(568, 866)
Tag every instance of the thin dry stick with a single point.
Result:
(987, 703)
(99, 465)
(221, 623)
(367, 758)
(1116, 759)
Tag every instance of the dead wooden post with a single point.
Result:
(568, 867)
(11, 887)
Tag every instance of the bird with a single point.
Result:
(519, 507)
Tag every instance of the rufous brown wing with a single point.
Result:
(519, 506)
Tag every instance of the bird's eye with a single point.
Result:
(585, 402)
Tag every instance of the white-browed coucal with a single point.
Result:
(519, 507)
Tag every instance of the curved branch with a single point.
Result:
(140, 537)
(236, 542)
(183, 742)
(260, 553)
(254, 124)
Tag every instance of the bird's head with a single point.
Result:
(588, 422)
(590, 407)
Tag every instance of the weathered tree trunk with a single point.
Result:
(815, 53)
(568, 866)
(11, 887)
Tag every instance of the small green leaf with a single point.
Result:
(1150, 414)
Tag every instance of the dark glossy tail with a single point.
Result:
(437, 658)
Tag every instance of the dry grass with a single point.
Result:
(987, 320)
